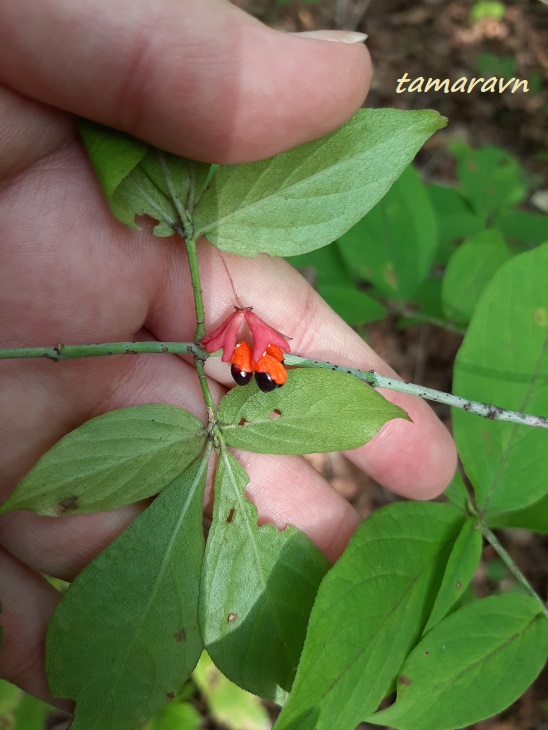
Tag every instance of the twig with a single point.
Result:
(486, 410)
(493, 540)
(71, 352)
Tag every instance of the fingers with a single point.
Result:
(28, 602)
(196, 77)
(146, 282)
(416, 459)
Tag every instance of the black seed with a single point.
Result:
(265, 382)
(241, 377)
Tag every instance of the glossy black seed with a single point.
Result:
(242, 377)
(265, 382)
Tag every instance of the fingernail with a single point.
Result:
(338, 36)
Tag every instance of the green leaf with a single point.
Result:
(21, 711)
(534, 517)
(459, 571)
(457, 493)
(455, 217)
(395, 244)
(113, 154)
(138, 179)
(354, 306)
(492, 179)
(315, 411)
(471, 666)
(306, 198)
(327, 271)
(504, 360)
(323, 266)
(176, 716)
(163, 186)
(470, 269)
(228, 705)
(483, 9)
(112, 460)
(369, 613)
(31, 714)
(529, 228)
(258, 587)
(125, 636)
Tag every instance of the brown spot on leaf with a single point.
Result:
(230, 516)
(68, 503)
(458, 585)
(541, 316)
(404, 681)
(170, 696)
(242, 422)
(180, 635)
(276, 413)
(232, 617)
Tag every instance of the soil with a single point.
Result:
(436, 38)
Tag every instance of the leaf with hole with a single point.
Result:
(315, 411)
(258, 587)
(138, 179)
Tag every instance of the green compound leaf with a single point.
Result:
(305, 198)
(258, 587)
(369, 613)
(470, 269)
(394, 245)
(138, 179)
(504, 360)
(472, 665)
(112, 460)
(125, 636)
(315, 411)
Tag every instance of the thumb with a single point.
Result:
(199, 78)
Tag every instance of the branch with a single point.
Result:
(512, 567)
(70, 352)
(491, 412)
(75, 352)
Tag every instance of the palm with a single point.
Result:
(71, 274)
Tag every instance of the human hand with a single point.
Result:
(200, 79)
